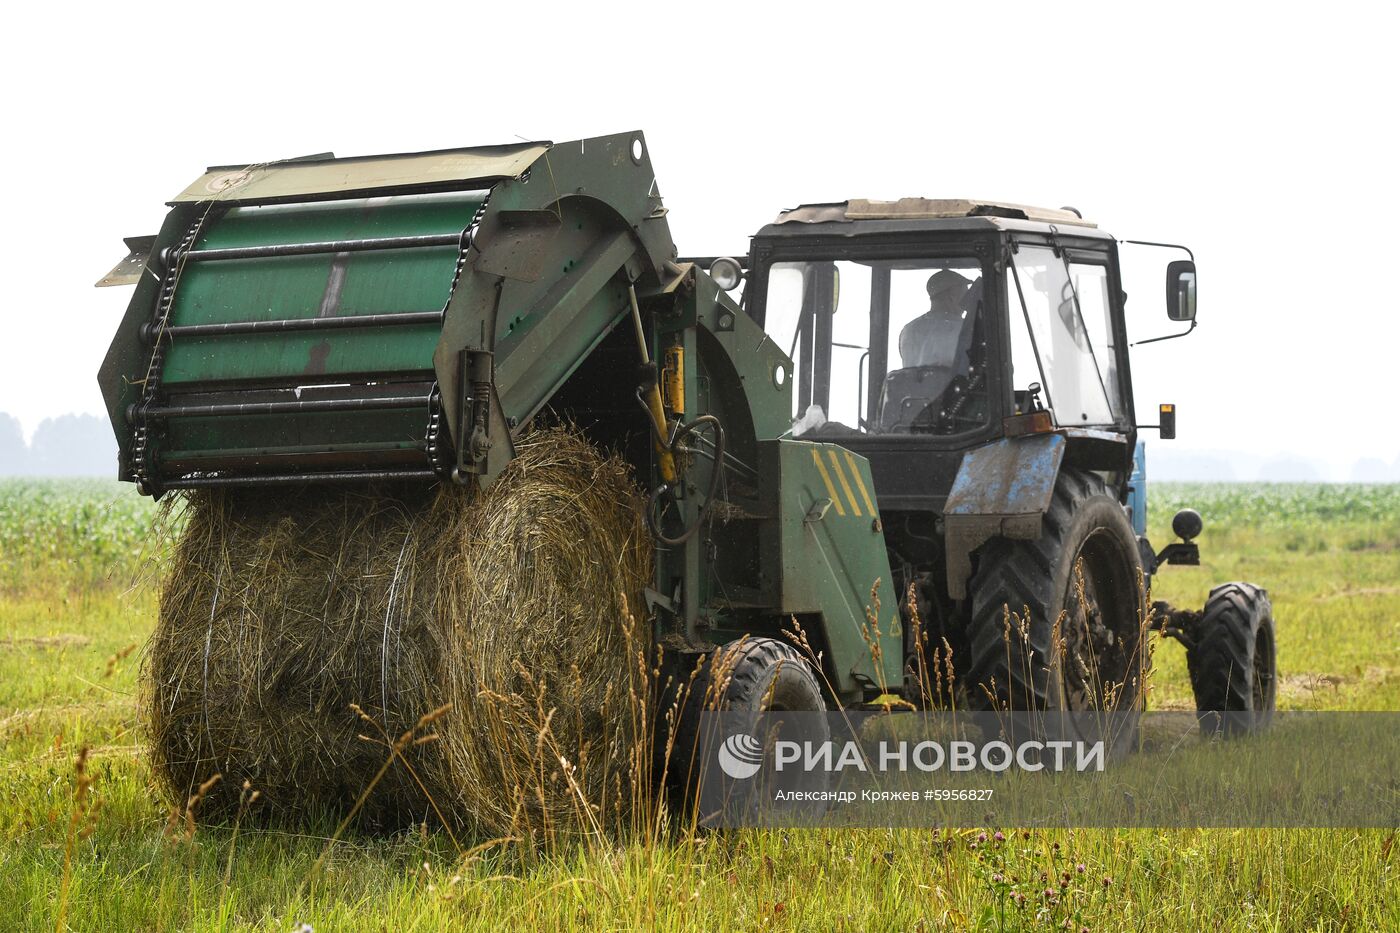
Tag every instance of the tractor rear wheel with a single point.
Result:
(1057, 623)
(1232, 662)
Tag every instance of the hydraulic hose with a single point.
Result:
(653, 519)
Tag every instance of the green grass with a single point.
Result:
(1330, 557)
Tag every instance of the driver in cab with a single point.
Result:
(932, 338)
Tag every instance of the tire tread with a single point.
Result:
(1221, 663)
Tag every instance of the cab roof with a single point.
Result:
(927, 209)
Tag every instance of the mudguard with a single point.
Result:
(1001, 490)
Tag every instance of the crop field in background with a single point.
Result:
(92, 846)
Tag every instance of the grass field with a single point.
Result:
(91, 846)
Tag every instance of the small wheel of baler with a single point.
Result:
(750, 676)
(1232, 661)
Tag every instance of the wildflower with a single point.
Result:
(1079, 868)
(999, 836)
(1107, 881)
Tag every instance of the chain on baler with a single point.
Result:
(440, 457)
(142, 464)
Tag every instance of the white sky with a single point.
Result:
(1261, 137)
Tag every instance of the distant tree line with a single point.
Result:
(69, 445)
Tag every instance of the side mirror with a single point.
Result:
(1181, 290)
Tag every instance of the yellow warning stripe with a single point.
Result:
(860, 483)
(841, 475)
(826, 478)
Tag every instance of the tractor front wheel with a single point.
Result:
(1232, 661)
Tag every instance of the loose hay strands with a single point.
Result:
(515, 605)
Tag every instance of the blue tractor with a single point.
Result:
(976, 355)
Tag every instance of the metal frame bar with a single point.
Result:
(323, 247)
(404, 318)
(285, 479)
(391, 402)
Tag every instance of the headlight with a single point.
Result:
(727, 273)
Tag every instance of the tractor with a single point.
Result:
(975, 354)
(883, 414)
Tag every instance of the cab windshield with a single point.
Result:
(883, 346)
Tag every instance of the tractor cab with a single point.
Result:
(920, 329)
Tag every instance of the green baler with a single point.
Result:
(403, 318)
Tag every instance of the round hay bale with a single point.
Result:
(302, 632)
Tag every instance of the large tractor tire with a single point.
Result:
(1057, 623)
(750, 676)
(1232, 662)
